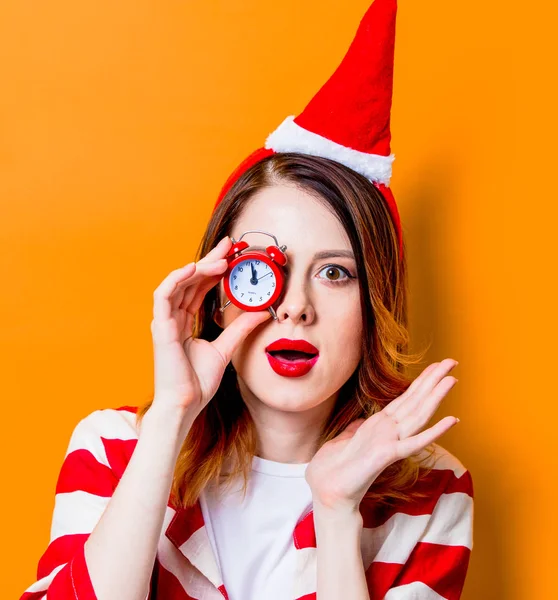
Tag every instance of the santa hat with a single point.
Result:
(348, 120)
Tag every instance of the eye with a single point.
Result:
(334, 274)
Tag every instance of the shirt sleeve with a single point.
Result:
(438, 564)
(85, 484)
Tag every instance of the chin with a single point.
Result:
(287, 403)
(295, 394)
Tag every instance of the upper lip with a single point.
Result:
(286, 344)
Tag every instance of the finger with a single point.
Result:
(187, 288)
(194, 298)
(170, 292)
(416, 420)
(424, 388)
(434, 377)
(233, 334)
(395, 404)
(161, 295)
(203, 270)
(219, 251)
(191, 305)
(408, 446)
(183, 274)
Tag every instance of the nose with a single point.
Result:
(295, 304)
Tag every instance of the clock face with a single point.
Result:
(252, 282)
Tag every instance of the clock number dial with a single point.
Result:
(252, 282)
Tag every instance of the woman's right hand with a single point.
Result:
(188, 370)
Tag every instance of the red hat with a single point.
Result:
(348, 120)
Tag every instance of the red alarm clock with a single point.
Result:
(254, 278)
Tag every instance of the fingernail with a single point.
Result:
(457, 420)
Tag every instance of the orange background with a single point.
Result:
(120, 122)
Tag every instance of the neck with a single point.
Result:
(287, 436)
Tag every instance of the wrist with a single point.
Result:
(348, 515)
(169, 424)
(337, 513)
(337, 525)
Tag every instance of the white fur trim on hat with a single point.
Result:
(290, 137)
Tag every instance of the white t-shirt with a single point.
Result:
(253, 539)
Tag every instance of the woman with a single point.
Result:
(239, 481)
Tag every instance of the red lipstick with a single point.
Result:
(294, 358)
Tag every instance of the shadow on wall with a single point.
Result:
(427, 224)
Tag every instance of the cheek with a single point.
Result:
(344, 343)
(342, 311)
(343, 325)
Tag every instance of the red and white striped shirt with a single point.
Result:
(417, 551)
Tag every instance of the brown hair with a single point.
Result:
(224, 430)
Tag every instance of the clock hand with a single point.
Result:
(264, 275)
(254, 279)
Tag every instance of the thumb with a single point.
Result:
(238, 330)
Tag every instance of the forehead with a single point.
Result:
(295, 217)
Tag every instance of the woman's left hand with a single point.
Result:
(343, 469)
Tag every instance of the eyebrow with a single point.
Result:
(321, 255)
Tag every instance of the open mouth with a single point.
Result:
(291, 355)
